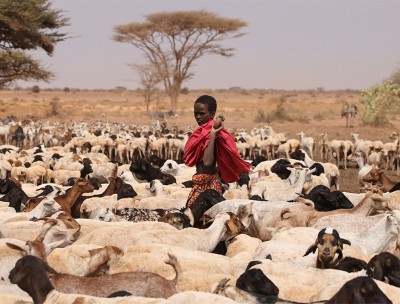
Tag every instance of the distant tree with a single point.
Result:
(149, 81)
(379, 100)
(172, 41)
(27, 25)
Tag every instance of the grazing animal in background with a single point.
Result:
(18, 137)
(349, 112)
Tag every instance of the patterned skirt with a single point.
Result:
(203, 182)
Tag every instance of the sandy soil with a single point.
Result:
(308, 111)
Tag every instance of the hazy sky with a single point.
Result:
(297, 44)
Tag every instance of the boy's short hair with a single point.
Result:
(208, 100)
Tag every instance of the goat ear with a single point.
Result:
(344, 241)
(21, 250)
(310, 249)
(377, 273)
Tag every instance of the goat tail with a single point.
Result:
(173, 261)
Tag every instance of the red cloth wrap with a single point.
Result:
(230, 164)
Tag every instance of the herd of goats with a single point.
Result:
(96, 213)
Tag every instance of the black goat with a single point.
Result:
(18, 137)
(143, 170)
(7, 184)
(16, 197)
(202, 203)
(385, 266)
(255, 281)
(257, 160)
(325, 200)
(361, 290)
(350, 264)
(280, 168)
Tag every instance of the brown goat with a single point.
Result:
(68, 199)
(35, 277)
(378, 176)
(328, 244)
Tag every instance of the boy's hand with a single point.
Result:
(219, 122)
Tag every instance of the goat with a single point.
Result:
(307, 143)
(325, 200)
(378, 176)
(385, 266)
(328, 243)
(67, 200)
(39, 280)
(359, 290)
(143, 170)
(224, 226)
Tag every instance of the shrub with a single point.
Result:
(379, 100)
(35, 89)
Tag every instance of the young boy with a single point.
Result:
(211, 145)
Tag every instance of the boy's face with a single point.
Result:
(202, 114)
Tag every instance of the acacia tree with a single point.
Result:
(149, 80)
(172, 41)
(24, 26)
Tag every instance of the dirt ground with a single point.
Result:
(309, 111)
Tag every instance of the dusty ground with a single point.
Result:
(308, 111)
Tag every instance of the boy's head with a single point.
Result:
(204, 109)
(209, 101)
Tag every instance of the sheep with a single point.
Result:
(382, 236)
(359, 290)
(307, 143)
(242, 246)
(340, 150)
(363, 168)
(114, 232)
(324, 147)
(47, 206)
(199, 297)
(143, 170)
(158, 189)
(223, 227)
(91, 206)
(30, 274)
(289, 193)
(199, 269)
(104, 170)
(34, 174)
(362, 146)
(182, 171)
(300, 283)
(325, 200)
(331, 171)
(369, 203)
(242, 296)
